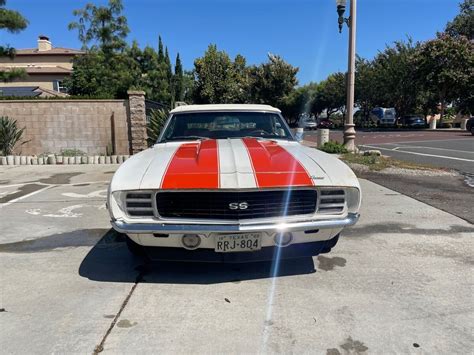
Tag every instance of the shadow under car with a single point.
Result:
(110, 261)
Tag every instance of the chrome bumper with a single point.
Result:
(162, 228)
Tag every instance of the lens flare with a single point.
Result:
(274, 272)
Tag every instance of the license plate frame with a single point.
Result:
(238, 242)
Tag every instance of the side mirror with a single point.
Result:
(299, 135)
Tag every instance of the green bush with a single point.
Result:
(10, 135)
(333, 147)
(70, 152)
(156, 121)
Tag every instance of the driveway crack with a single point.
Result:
(99, 348)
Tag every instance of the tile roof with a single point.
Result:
(54, 51)
(47, 70)
(40, 69)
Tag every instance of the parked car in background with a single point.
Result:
(325, 124)
(470, 125)
(384, 116)
(307, 121)
(412, 121)
(229, 183)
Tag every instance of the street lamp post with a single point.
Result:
(349, 131)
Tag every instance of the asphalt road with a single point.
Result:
(399, 282)
(444, 149)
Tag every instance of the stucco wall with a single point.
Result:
(87, 125)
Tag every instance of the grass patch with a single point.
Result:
(333, 147)
(377, 163)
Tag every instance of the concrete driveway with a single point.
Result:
(401, 281)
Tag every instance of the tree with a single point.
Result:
(299, 101)
(189, 85)
(463, 24)
(395, 77)
(154, 77)
(272, 81)
(161, 53)
(103, 26)
(98, 76)
(241, 72)
(178, 80)
(14, 22)
(215, 78)
(107, 69)
(445, 66)
(366, 90)
(331, 95)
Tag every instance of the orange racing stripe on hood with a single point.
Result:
(274, 166)
(194, 166)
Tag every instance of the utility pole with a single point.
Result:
(349, 131)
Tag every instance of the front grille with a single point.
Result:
(332, 201)
(139, 204)
(216, 205)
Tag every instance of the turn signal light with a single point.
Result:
(191, 241)
(283, 239)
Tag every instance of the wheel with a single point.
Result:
(134, 248)
(472, 130)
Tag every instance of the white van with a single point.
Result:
(384, 116)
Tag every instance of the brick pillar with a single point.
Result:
(139, 136)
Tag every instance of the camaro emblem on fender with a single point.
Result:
(238, 206)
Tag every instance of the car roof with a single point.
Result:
(225, 107)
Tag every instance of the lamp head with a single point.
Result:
(341, 8)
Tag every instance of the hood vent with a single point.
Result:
(331, 201)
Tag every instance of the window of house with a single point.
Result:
(59, 86)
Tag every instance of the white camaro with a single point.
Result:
(230, 183)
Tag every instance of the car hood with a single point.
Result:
(247, 163)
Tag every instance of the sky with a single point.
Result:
(303, 32)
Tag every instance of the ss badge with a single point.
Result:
(238, 206)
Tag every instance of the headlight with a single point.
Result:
(119, 197)
(353, 199)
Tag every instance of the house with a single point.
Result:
(46, 67)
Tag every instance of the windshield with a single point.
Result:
(223, 125)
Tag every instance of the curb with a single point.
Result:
(11, 160)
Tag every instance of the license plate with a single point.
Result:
(229, 243)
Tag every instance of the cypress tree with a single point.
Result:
(178, 79)
(161, 56)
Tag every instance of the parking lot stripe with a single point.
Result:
(428, 141)
(25, 196)
(69, 184)
(450, 150)
(15, 185)
(422, 154)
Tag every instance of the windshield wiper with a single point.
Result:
(267, 137)
(187, 138)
